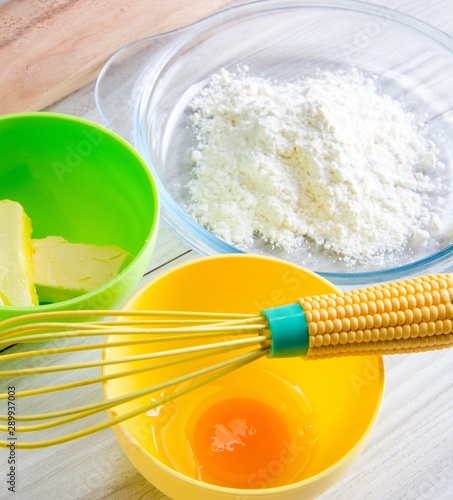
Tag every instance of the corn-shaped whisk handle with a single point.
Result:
(404, 316)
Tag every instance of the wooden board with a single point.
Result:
(50, 48)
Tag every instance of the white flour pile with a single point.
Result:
(325, 159)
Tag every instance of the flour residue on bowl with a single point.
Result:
(326, 159)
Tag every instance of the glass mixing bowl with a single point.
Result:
(144, 90)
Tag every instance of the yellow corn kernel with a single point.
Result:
(426, 285)
(354, 323)
(346, 325)
(433, 313)
(419, 297)
(362, 322)
(439, 327)
(312, 328)
(334, 338)
(406, 331)
(323, 303)
(441, 311)
(415, 330)
(435, 295)
(340, 300)
(425, 313)
(398, 332)
(337, 325)
(387, 304)
(331, 302)
(375, 334)
(362, 297)
(378, 293)
(400, 318)
(444, 295)
(315, 316)
(372, 308)
(356, 309)
(315, 304)
(449, 307)
(428, 298)
(395, 304)
(393, 318)
(380, 308)
(348, 299)
(408, 316)
(348, 310)
(417, 313)
(411, 302)
(403, 303)
(366, 335)
(423, 329)
(332, 312)
(385, 318)
(330, 326)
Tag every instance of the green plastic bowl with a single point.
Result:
(80, 181)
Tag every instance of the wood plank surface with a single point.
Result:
(50, 48)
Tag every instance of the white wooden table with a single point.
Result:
(410, 453)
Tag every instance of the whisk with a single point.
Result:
(400, 317)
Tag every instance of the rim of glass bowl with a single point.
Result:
(186, 228)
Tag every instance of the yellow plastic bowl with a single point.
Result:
(345, 393)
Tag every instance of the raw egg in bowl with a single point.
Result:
(280, 428)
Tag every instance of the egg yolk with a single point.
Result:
(235, 441)
(251, 429)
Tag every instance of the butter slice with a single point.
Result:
(16, 268)
(66, 270)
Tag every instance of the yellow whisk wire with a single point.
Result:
(87, 347)
(102, 378)
(85, 314)
(140, 357)
(85, 410)
(87, 329)
(222, 368)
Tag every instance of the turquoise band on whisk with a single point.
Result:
(289, 331)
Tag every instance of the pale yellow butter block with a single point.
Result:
(16, 268)
(65, 270)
